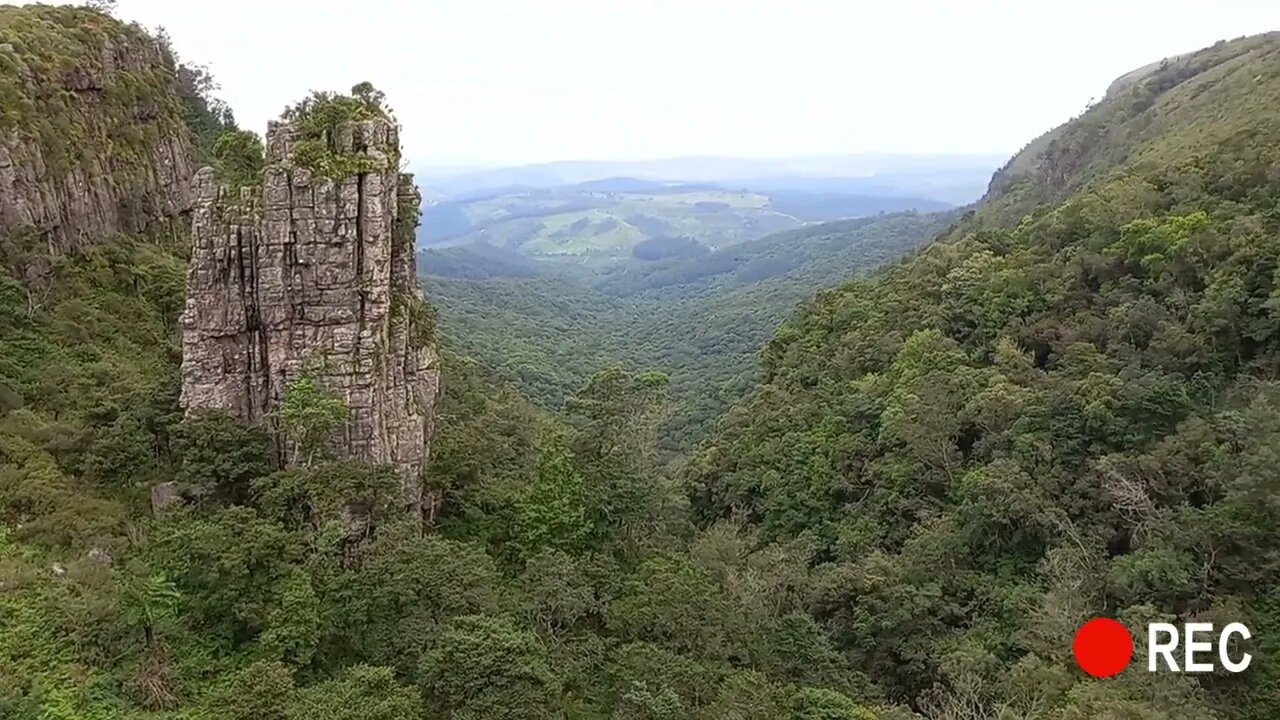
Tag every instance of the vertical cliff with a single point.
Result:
(313, 273)
(92, 136)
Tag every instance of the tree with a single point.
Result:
(262, 690)
(361, 692)
(372, 97)
(559, 591)
(642, 703)
(485, 668)
(239, 158)
(819, 704)
(227, 564)
(311, 414)
(672, 602)
(221, 454)
(552, 511)
(150, 601)
(621, 411)
(293, 626)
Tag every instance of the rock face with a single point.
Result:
(94, 147)
(314, 276)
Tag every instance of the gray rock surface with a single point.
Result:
(120, 186)
(313, 275)
(164, 495)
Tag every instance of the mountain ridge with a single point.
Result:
(1181, 92)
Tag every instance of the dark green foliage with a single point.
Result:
(320, 493)
(487, 668)
(221, 455)
(238, 158)
(226, 565)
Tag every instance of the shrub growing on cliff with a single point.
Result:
(309, 414)
(321, 120)
(238, 158)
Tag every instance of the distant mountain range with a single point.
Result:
(606, 211)
(952, 178)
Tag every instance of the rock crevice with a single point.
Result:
(314, 275)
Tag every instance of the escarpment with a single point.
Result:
(92, 137)
(312, 274)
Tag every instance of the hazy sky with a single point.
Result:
(511, 82)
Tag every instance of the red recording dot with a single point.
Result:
(1103, 647)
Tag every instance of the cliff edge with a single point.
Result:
(92, 137)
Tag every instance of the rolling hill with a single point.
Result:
(611, 219)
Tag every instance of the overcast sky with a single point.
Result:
(500, 82)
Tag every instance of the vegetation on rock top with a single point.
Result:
(324, 125)
(56, 91)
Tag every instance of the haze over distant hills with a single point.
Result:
(603, 212)
(952, 178)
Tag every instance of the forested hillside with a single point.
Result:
(1066, 406)
(1039, 421)
(701, 319)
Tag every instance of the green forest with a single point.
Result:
(898, 500)
(703, 320)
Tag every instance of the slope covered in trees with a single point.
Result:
(1061, 410)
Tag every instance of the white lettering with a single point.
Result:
(1223, 641)
(1194, 646)
(1156, 647)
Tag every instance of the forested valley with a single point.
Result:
(549, 326)
(696, 501)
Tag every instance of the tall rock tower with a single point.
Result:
(314, 273)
